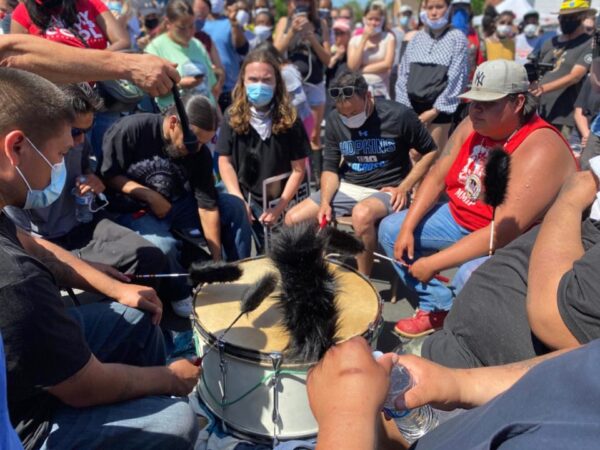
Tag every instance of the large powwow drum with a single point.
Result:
(247, 381)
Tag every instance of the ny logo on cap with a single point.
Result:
(479, 77)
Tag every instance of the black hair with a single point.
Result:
(83, 98)
(354, 79)
(530, 106)
(41, 15)
(32, 104)
(176, 9)
(200, 111)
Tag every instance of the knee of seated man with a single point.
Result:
(178, 426)
(363, 216)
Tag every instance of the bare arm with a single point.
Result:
(529, 195)
(419, 170)
(323, 50)
(557, 247)
(101, 384)
(282, 40)
(581, 122)
(355, 53)
(293, 182)
(211, 225)
(115, 31)
(386, 64)
(63, 64)
(229, 176)
(576, 74)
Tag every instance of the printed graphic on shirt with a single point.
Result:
(364, 155)
(86, 29)
(471, 176)
(161, 175)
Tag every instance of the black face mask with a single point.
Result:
(568, 26)
(52, 4)
(151, 24)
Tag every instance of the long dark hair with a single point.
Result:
(41, 15)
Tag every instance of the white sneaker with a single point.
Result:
(183, 308)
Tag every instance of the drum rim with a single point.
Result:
(265, 357)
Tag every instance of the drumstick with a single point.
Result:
(437, 276)
(156, 275)
(189, 138)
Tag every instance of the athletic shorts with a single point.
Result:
(348, 195)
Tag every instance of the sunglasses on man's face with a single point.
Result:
(346, 91)
(75, 132)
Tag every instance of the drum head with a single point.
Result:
(217, 305)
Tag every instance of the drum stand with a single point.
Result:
(276, 359)
(223, 367)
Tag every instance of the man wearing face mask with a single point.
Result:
(571, 55)
(155, 186)
(74, 374)
(227, 34)
(373, 136)
(501, 44)
(526, 41)
(6, 9)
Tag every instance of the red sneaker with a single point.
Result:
(421, 324)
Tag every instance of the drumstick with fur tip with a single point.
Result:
(495, 182)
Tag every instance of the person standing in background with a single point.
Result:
(201, 11)
(501, 44)
(461, 16)
(305, 38)
(6, 9)
(372, 53)
(571, 55)
(228, 36)
(433, 71)
(526, 41)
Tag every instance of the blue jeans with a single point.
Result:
(118, 334)
(235, 236)
(436, 231)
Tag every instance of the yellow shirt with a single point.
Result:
(504, 49)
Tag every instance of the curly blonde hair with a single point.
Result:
(283, 113)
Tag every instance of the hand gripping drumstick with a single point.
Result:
(437, 276)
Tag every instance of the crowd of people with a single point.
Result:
(389, 114)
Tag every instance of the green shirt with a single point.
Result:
(185, 57)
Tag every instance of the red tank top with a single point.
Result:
(464, 181)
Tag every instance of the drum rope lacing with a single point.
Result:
(263, 380)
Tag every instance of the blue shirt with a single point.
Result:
(8, 437)
(219, 31)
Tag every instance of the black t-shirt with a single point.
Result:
(44, 345)
(376, 154)
(134, 147)
(255, 160)
(588, 100)
(557, 106)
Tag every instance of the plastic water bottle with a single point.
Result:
(412, 423)
(82, 203)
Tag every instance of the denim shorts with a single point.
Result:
(315, 93)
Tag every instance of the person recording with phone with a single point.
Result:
(305, 38)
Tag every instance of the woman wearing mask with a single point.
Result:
(433, 70)
(261, 136)
(65, 21)
(263, 28)
(179, 45)
(501, 44)
(305, 38)
(528, 39)
(372, 52)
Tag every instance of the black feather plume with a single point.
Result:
(254, 295)
(307, 291)
(497, 172)
(341, 242)
(214, 272)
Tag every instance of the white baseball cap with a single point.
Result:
(496, 79)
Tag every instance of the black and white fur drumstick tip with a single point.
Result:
(338, 241)
(215, 272)
(495, 182)
(255, 294)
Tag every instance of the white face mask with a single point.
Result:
(504, 31)
(217, 6)
(434, 24)
(242, 17)
(530, 30)
(376, 30)
(357, 120)
(263, 32)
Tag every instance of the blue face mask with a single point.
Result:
(404, 21)
(42, 198)
(259, 94)
(460, 20)
(434, 24)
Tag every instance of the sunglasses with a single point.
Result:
(75, 132)
(346, 91)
